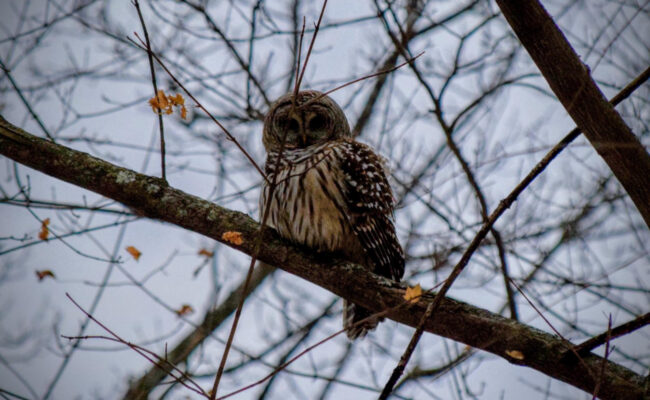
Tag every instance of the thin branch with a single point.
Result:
(514, 194)
(140, 388)
(208, 113)
(609, 334)
(372, 75)
(25, 102)
(311, 45)
(96, 301)
(243, 65)
(147, 354)
(602, 369)
(152, 70)
(399, 369)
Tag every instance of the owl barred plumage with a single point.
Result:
(331, 193)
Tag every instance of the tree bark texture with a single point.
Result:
(476, 327)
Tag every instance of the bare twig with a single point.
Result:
(147, 354)
(296, 84)
(142, 46)
(25, 102)
(152, 70)
(448, 132)
(514, 194)
(372, 75)
(320, 342)
(311, 45)
(399, 369)
(601, 373)
(242, 63)
(609, 334)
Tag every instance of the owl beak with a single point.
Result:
(296, 122)
(302, 132)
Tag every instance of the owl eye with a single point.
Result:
(289, 125)
(317, 123)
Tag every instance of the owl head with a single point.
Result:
(303, 122)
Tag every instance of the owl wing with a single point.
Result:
(369, 202)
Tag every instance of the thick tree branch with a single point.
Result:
(571, 82)
(462, 322)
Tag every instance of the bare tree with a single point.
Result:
(530, 242)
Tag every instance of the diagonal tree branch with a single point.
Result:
(571, 82)
(456, 320)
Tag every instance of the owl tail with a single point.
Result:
(352, 314)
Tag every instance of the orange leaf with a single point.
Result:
(233, 237)
(413, 293)
(206, 253)
(135, 253)
(153, 102)
(177, 100)
(184, 310)
(46, 273)
(44, 229)
(162, 99)
(516, 354)
(160, 103)
(163, 104)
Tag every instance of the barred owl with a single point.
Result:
(331, 193)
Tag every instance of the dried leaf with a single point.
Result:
(184, 310)
(163, 104)
(153, 102)
(177, 100)
(413, 293)
(46, 273)
(135, 253)
(206, 253)
(516, 354)
(159, 102)
(233, 237)
(44, 233)
(163, 100)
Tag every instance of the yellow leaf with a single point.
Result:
(233, 237)
(163, 101)
(159, 102)
(413, 293)
(184, 310)
(206, 253)
(516, 354)
(135, 253)
(43, 234)
(153, 102)
(164, 104)
(177, 100)
(46, 273)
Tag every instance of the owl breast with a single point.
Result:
(307, 203)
